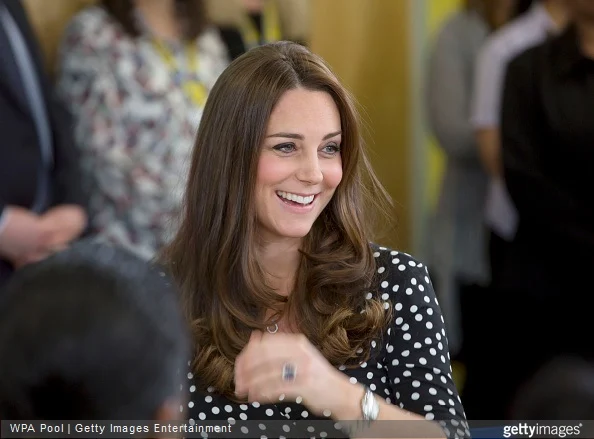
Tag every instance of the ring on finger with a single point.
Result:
(289, 372)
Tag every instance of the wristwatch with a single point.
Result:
(369, 406)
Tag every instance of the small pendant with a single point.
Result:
(272, 329)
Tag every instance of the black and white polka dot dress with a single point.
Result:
(410, 368)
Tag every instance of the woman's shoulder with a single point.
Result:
(397, 263)
(91, 25)
(89, 19)
(211, 44)
(210, 37)
(398, 273)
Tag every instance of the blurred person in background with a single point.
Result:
(40, 202)
(458, 253)
(91, 333)
(136, 75)
(547, 133)
(458, 243)
(245, 24)
(545, 18)
(485, 392)
(258, 23)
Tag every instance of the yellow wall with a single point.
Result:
(367, 44)
(48, 19)
(436, 12)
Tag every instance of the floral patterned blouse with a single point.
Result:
(134, 125)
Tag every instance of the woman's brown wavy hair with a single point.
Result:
(213, 256)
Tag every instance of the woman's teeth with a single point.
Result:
(296, 198)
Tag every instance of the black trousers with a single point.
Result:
(487, 389)
(499, 250)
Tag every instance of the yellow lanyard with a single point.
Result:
(270, 26)
(187, 80)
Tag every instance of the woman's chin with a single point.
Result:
(294, 232)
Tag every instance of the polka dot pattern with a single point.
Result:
(408, 368)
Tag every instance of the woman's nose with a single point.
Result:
(310, 170)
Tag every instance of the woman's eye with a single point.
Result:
(285, 147)
(331, 148)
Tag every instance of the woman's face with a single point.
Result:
(300, 164)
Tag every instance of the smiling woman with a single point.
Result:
(292, 309)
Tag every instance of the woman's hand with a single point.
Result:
(262, 373)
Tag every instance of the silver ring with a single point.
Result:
(289, 372)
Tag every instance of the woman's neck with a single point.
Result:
(280, 261)
(159, 16)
